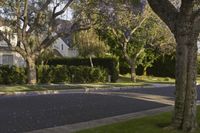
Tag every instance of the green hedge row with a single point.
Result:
(164, 66)
(72, 74)
(53, 74)
(12, 75)
(109, 63)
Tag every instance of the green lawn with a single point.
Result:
(150, 124)
(147, 79)
(123, 81)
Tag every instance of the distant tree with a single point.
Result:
(183, 19)
(89, 43)
(159, 41)
(36, 25)
(135, 37)
(121, 33)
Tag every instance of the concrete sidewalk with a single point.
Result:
(100, 122)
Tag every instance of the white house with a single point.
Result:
(63, 46)
(8, 57)
(198, 45)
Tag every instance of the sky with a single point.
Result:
(65, 16)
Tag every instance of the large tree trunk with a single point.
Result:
(186, 94)
(184, 24)
(31, 70)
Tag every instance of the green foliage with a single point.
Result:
(89, 43)
(110, 64)
(198, 64)
(150, 124)
(53, 74)
(124, 68)
(147, 58)
(44, 74)
(72, 74)
(12, 75)
(46, 55)
(84, 74)
(164, 66)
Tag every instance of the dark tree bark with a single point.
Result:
(183, 25)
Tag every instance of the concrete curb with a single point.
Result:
(100, 122)
(85, 90)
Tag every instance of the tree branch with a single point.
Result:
(10, 46)
(63, 10)
(196, 20)
(166, 11)
(25, 16)
(38, 15)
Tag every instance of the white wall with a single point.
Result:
(18, 60)
(64, 49)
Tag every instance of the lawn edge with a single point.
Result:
(70, 128)
(82, 90)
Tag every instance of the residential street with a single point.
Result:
(26, 113)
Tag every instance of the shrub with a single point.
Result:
(111, 65)
(12, 75)
(44, 74)
(124, 68)
(53, 74)
(84, 74)
(198, 64)
(65, 74)
(163, 67)
(60, 74)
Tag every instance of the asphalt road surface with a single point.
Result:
(161, 91)
(26, 113)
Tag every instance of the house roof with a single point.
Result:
(67, 41)
(62, 26)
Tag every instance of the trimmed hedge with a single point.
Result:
(198, 65)
(72, 74)
(163, 67)
(124, 68)
(108, 63)
(12, 75)
(53, 74)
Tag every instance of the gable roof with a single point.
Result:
(62, 26)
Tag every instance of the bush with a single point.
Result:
(124, 68)
(111, 65)
(72, 74)
(83, 74)
(198, 65)
(44, 74)
(12, 75)
(163, 67)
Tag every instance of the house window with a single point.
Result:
(7, 60)
(62, 47)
